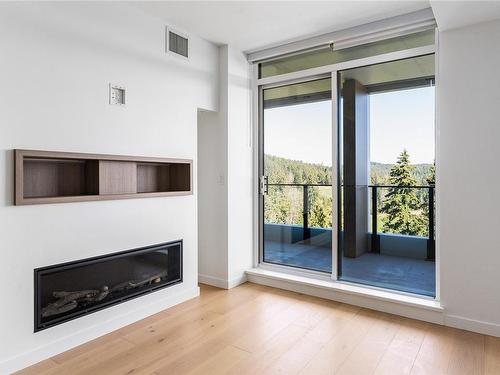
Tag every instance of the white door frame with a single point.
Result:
(335, 176)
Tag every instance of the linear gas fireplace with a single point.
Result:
(66, 291)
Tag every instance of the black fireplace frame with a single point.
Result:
(39, 272)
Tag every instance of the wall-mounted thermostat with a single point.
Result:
(116, 94)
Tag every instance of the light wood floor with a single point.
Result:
(254, 329)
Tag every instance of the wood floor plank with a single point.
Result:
(435, 352)
(81, 350)
(94, 358)
(261, 360)
(333, 354)
(236, 325)
(265, 308)
(186, 317)
(366, 356)
(291, 309)
(39, 367)
(220, 362)
(299, 355)
(403, 350)
(129, 332)
(467, 355)
(254, 329)
(168, 345)
(183, 345)
(492, 356)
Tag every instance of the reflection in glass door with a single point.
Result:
(296, 175)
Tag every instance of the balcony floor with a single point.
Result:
(399, 273)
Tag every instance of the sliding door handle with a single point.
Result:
(264, 185)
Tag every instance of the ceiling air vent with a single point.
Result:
(177, 43)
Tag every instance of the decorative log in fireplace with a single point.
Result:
(67, 291)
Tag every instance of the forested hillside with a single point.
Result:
(286, 171)
(281, 170)
(380, 173)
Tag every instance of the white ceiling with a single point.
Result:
(251, 25)
(454, 14)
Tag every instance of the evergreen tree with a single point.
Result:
(431, 181)
(402, 205)
(431, 177)
(321, 212)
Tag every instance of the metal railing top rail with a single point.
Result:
(370, 186)
(400, 186)
(292, 184)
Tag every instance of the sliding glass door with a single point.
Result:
(387, 175)
(296, 180)
(346, 165)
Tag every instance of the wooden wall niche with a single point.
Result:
(55, 177)
(155, 177)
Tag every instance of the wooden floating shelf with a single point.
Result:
(57, 177)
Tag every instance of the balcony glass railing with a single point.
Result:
(422, 213)
(309, 206)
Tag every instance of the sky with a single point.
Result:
(398, 120)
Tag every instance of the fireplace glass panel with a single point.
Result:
(64, 292)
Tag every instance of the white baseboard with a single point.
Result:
(486, 328)
(213, 281)
(80, 337)
(237, 281)
(222, 283)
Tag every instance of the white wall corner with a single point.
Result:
(468, 283)
(222, 283)
(227, 236)
(234, 282)
(240, 167)
(213, 281)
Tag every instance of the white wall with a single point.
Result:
(468, 148)
(240, 172)
(56, 62)
(212, 200)
(226, 227)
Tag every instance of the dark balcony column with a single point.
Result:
(431, 242)
(305, 213)
(356, 170)
(375, 236)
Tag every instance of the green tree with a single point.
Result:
(321, 212)
(431, 177)
(402, 205)
(431, 181)
(283, 205)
